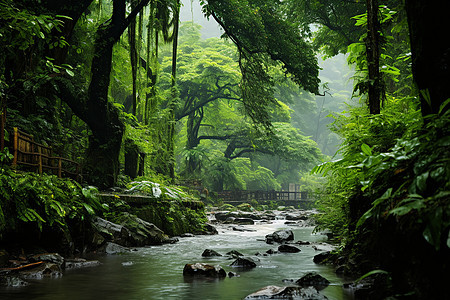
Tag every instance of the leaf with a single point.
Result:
(371, 273)
(366, 149)
(88, 208)
(433, 230)
(70, 72)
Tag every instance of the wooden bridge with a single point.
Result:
(287, 197)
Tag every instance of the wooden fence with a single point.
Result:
(37, 157)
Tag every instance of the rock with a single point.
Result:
(244, 221)
(271, 251)
(292, 217)
(232, 274)
(244, 263)
(111, 231)
(112, 248)
(78, 263)
(375, 286)
(286, 292)
(48, 257)
(171, 240)
(210, 230)
(12, 281)
(187, 235)
(313, 279)
(234, 253)
(222, 216)
(280, 236)
(322, 258)
(241, 228)
(303, 243)
(43, 270)
(204, 270)
(141, 233)
(288, 249)
(209, 253)
(229, 220)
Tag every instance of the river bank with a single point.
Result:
(155, 272)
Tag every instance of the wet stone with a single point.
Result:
(288, 249)
(244, 263)
(286, 292)
(204, 270)
(313, 279)
(210, 253)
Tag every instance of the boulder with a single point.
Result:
(286, 292)
(111, 231)
(296, 217)
(48, 257)
(222, 215)
(229, 220)
(375, 286)
(78, 263)
(271, 251)
(280, 236)
(210, 230)
(313, 279)
(288, 249)
(141, 233)
(47, 269)
(244, 221)
(322, 258)
(112, 248)
(204, 270)
(244, 263)
(209, 253)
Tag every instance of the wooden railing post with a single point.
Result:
(40, 160)
(14, 163)
(59, 167)
(2, 128)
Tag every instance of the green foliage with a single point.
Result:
(423, 190)
(364, 164)
(43, 200)
(158, 191)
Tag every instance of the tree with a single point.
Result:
(430, 55)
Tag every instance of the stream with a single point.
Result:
(156, 272)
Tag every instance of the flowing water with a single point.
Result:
(156, 272)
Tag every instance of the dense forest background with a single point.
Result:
(130, 91)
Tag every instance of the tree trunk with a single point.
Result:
(171, 125)
(373, 56)
(131, 158)
(430, 53)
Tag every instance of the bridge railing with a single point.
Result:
(244, 196)
(38, 157)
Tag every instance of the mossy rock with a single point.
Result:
(245, 207)
(227, 206)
